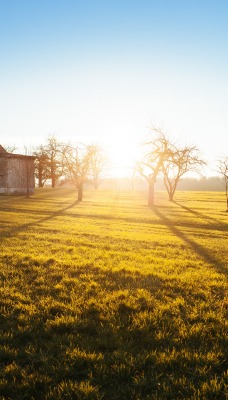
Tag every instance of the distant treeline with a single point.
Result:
(214, 184)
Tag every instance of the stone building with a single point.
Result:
(16, 173)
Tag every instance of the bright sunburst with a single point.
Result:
(122, 154)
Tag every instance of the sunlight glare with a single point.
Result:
(122, 154)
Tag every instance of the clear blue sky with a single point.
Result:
(105, 70)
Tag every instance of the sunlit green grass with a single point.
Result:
(109, 299)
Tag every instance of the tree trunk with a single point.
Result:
(53, 182)
(151, 194)
(171, 194)
(80, 191)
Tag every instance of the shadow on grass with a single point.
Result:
(198, 248)
(198, 214)
(22, 227)
(63, 341)
(219, 226)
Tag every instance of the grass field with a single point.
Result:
(108, 299)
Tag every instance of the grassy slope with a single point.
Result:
(109, 299)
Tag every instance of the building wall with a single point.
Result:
(16, 175)
(3, 172)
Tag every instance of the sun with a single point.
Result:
(122, 155)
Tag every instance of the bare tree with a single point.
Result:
(152, 163)
(178, 162)
(54, 150)
(10, 149)
(42, 170)
(97, 164)
(223, 170)
(77, 161)
(49, 163)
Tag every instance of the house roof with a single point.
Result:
(2, 150)
(5, 154)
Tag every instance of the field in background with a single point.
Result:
(108, 299)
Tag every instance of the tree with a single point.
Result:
(55, 154)
(223, 170)
(97, 164)
(10, 149)
(49, 163)
(178, 162)
(77, 161)
(42, 172)
(153, 160)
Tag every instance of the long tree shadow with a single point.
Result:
(54, 214)
(198, 248)
(219, 226)
(198, 214)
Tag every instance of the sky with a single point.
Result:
(105, 71)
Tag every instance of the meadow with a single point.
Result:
(109, 299)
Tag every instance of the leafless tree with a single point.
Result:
(55, 152)
(42, 170)
(157, 151)
(178, 162)
(77, 161)
(97, 164)
(223, 170)
(49, 163)
(11, 149)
